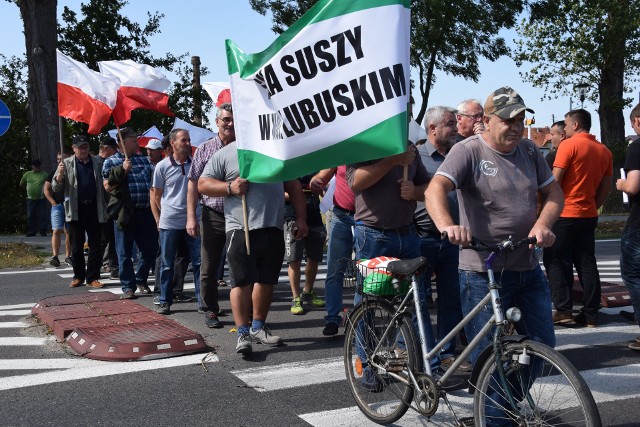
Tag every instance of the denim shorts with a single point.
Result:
(58, 217)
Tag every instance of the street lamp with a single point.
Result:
(582, 91)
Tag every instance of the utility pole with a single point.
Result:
(197, 92)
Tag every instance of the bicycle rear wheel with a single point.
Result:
(380, 395)
(547, 391)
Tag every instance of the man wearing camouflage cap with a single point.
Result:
(498, 175)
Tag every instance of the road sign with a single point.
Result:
(5, 118)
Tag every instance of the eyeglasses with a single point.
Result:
(226, 120)
(473, 116)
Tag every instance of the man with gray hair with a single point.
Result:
(212, 227)
(440, 124)
(469, 114)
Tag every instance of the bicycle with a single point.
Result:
(388, 369)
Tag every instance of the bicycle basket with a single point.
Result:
(373, 278)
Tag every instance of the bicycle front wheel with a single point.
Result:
(377, 363)
(546, 389)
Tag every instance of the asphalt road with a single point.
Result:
(301, 383)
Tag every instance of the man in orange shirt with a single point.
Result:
(583, 167)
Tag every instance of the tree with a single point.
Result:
(596, 42)
(39, 18)
(446, 35)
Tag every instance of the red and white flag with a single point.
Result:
(84, 95)
(141, 86)
(220, 92)
(148, 135)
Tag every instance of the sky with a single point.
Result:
(201, 27)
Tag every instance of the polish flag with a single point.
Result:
(148, 135)
(220, 92)
(197, 134)
(84, 95)
(141, 86)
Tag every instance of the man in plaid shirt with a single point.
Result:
(136, 172)
(212, 229)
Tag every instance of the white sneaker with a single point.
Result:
(244, 344)
(263, 336)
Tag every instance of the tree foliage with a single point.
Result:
(596, 42)
(446, 35)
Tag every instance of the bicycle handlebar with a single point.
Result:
(508, 244)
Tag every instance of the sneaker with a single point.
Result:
(582, 320)
(564, 318)
(311, 298)
(129, 294)
(296, 306)
(635, 345)
(54, 261)
(156, 299)
(330, 329)
(182, 297)
(263, 336)
(144, 289)
(211, 320)
(67, 260)
(244, 344)
(370, 381)
(163, 308)
(75, 283)
(446, 363)
(95, 284)
(628, 316)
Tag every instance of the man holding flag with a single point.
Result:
(254, 271)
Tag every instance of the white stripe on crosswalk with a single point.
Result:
(567, 338)
(101, 370)
(295, 374)
(14, 306)
(300, 374)
(24, 341)
(44, 270)
(15, 312)
(599, 380)
(39, 364)
(8, 325)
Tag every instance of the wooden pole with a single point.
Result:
(121, 144)
(61, 128)
(245, 218)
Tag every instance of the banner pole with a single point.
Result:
(61, 129)
(245, 218)
(121, 144)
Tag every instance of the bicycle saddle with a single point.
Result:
(406, 267)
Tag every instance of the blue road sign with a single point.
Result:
(5, 118)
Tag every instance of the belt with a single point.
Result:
(210, 209)
(403, 229)
(336, 207)
(86, 202)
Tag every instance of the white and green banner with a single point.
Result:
(332, 89)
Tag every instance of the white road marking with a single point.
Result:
(39, 364)
(8, 325)
(14, 306)
(15, 312)
(101, 370)
(44, 270)
(25, 341)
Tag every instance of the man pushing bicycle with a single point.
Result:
(498, 175)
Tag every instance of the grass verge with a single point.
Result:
(610, 229)
(20, 255)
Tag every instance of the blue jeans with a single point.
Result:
(37, 216)
(630, 266)
(443, 259)
(527, 290)
(169, 242)
(371, 243)
(339, 252)
(143, 232)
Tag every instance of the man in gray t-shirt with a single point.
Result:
(261, 265)
(497, 175)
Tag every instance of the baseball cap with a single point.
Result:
(80, 140)
(154, 144)
(505, 103)
(109, 142)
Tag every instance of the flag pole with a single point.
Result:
(61, 129)
(121, 144)
(245, 218)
